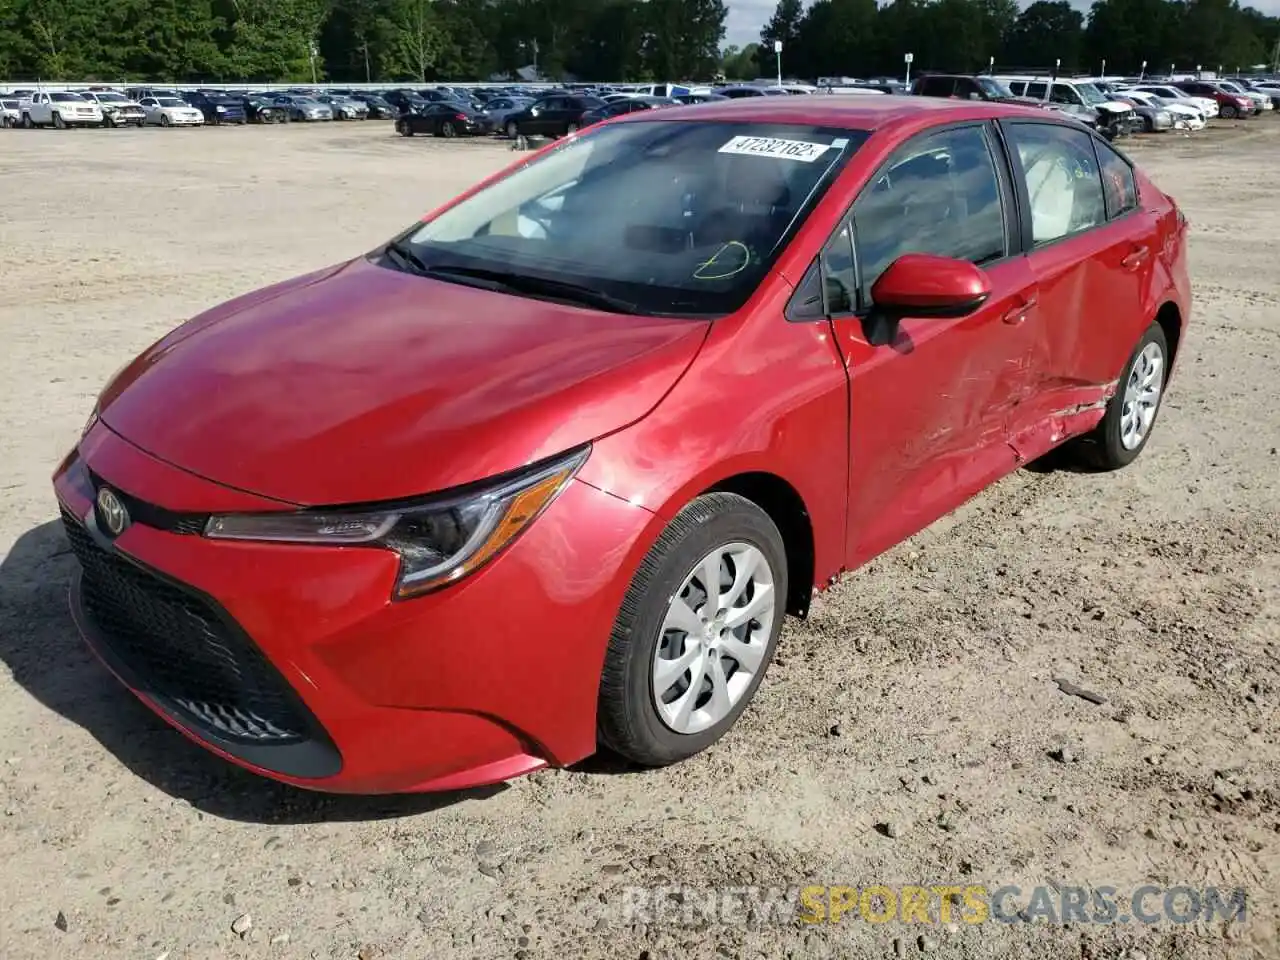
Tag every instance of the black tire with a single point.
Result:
(164, 120)
(1103, 449)
(404, 128)
(108, 120)
(1228, 112)
(571, 128)
(27, 122)
(627, 720)
(513, 129)
(447, 129)
(58, 122)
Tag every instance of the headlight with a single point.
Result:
(439, 541)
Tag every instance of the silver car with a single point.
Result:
(345, 108)
(304, 108)
(499, 108)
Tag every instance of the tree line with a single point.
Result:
(390, 41)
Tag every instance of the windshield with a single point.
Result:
(66, 98)
(111, 98)
(171, 102)
(1090, 94)
(672, 217)
(992, 87)
(1230, 87)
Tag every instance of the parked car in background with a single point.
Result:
(700, 97)
(61, 109)
(554, 116)
(631, 104)
(261, 108)
(514, 414)
(1230, 105)
(497, 109)
(444, 119)
(377, 108)
(1261, 100)
(117, 109)
(10, 112)
(1206, 105)
(344, 108)
(404, 100)
(171, 112)
(1155, 118)
(303, 108)
(1184, 114)
(138, 93)
(962, 86)
(1080, 98)
(740, 91)
(218, 108)
(1268, 88)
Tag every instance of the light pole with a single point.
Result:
(1103, 74)
(907, 58)
(1143, 74)
(991, 66)
(777, 52)
(368, 78)
(313, 51)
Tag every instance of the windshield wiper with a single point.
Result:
(536, 286)
(401, 250)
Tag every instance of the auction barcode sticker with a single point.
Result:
(774, 147)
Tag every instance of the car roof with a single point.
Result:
(843, 110)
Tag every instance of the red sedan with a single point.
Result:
(547, 471)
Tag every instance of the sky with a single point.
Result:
(746, 17)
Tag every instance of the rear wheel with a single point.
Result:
(1131, 413)
(513, 129)
(695, 633)
(1228, 112)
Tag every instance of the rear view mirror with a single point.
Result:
(923, 285)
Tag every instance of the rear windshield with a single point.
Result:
(675, 217)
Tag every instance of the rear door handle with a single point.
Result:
(1135, 259)
(1019, 313)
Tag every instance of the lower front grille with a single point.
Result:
(182, 650)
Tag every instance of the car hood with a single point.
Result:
(361, 383)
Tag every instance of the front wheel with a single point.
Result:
(403, 128)
(1131, 413)
(447, 129)
(1228, 112)
(58, 122)
(695, 633)
(164, 120)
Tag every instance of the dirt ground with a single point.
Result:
(918, 700)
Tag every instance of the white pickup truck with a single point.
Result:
(61, 109)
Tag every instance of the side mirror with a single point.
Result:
(923, 285)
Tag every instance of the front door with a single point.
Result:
(930, 412)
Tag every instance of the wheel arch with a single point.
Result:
(786, 508)
(1170, 319)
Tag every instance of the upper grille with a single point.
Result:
(183, 650)
(151, 515)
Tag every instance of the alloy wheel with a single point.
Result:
(714, 638)
(1142, 396)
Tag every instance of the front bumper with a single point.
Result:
(488, 679)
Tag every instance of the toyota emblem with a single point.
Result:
(112, 512)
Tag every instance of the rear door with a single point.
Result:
(1091, 246)
(929, 412)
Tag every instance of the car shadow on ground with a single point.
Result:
(41, 647)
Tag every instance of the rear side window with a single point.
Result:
(1064, 187)
(1118, 184)
(936, 86)
(939, 194)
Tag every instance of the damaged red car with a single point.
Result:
(546, 472)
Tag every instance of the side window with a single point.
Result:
(967, 90)
(829, 287)
(1061, 174)
(1118, 184)
(1061, 93)
(937, 86)
(1037, 89)
(939, 194)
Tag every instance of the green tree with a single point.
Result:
(742, 63)
(1046, 31)
(683, 37)
(784, 25)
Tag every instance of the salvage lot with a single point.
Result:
(919, 694)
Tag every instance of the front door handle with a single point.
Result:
(1019, 313)
(1135, 259)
